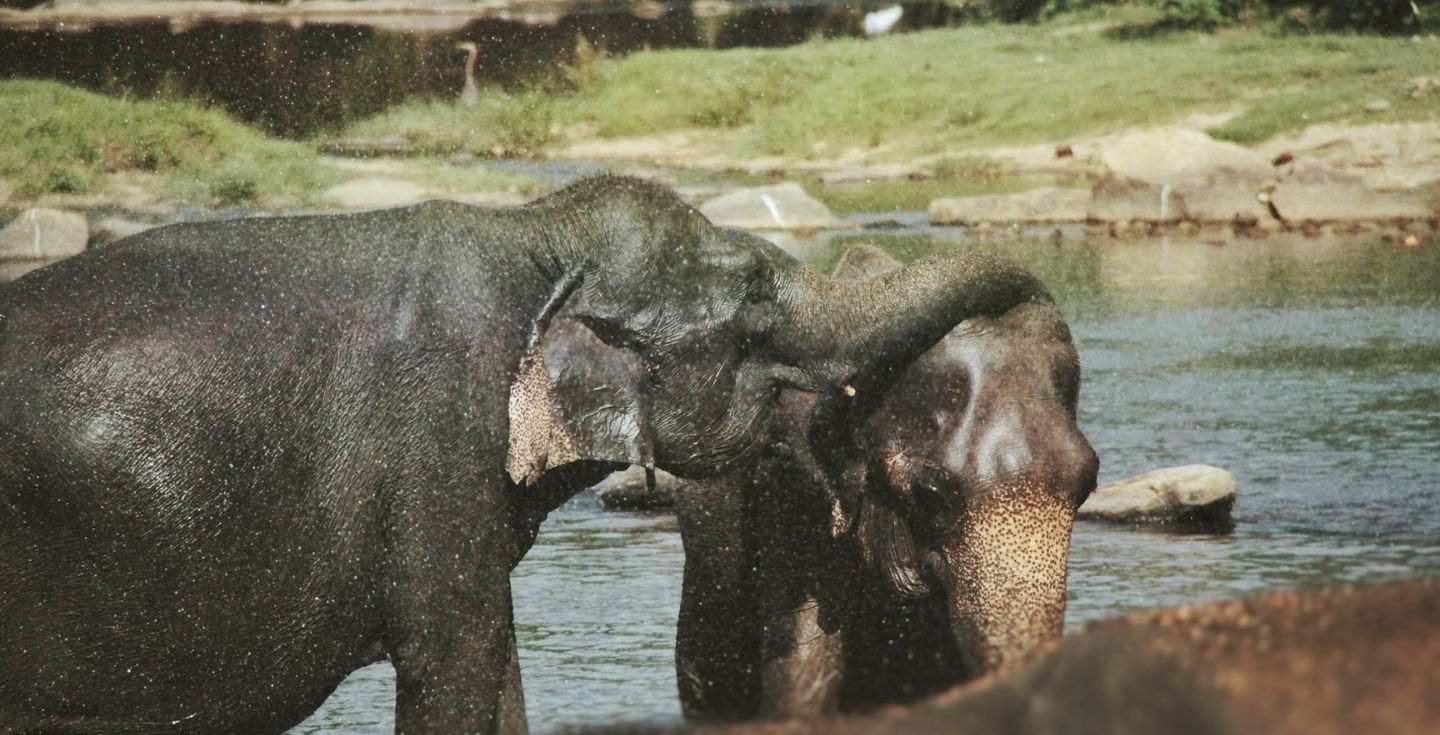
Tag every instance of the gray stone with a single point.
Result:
(1174, 155)
(375, 193)
(625, 490)
(780, 207)
(1192, 495)
(1315, 192)
(1046, 204)
(1223, 194)
(1220, 194)
(44, 234)
(1117, 199)
(110, 229)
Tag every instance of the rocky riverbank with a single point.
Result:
(1141, 182)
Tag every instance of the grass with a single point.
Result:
(951, 177)
(501, 124)
(67, 141)
(942, 90)
(934, 94)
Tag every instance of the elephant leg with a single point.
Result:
(803, 668)
(800, 599)
(452, 681)
(449, 628)
(512, 702)
(717, 634)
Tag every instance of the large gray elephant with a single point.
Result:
(1329, 660)
(240, 459)
(967, 471)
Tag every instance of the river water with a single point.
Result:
(1308, 368)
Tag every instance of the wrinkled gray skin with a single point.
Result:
(969, 469)
(240, 459)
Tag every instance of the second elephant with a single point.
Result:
(963, 476)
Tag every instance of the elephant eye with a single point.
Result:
(759, 286)
(931, 497)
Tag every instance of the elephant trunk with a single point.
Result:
(843, 330)
(1003, 566)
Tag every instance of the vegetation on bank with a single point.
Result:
(947, 90)
(1382, 16)
(68, 141)
(947, 94)
(63, 140)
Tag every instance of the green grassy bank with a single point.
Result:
(928, 92)
(950, 93)
(67, 141)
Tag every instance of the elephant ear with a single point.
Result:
(576, 397)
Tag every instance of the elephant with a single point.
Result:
(1334, 659)
(240, 459)
(969, 468)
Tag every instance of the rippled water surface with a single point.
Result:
(1308, 368)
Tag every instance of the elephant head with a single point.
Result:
(968, 473)
(706, 326)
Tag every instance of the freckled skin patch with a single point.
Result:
(539, 438)
(1007, 559)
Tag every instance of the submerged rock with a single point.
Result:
(44, 234)
(1046, 204)
(780, 207)
(1196, 495)
(625, 490)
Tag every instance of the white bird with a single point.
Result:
(881, 21)
(470, 96)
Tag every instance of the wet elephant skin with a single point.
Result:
(1322, 661)
(963, 479)
(1327, 661)
(240, 459)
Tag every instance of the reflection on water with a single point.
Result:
(1306, 368)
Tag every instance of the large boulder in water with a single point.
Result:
(626, 490)
(44, 234)
(1173, 174)
(780, 207)
(1173, 155)
(1197, 495)
(1217, 195)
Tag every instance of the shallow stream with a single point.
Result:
(1308, 368)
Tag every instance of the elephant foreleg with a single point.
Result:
(717, 635)
(512, 700)
(449, 630)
